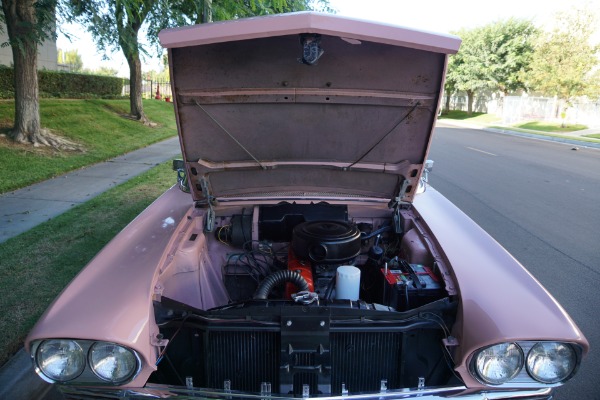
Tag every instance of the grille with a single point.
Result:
(244, 358)
(305, 378)
(358, 359)
(362, 359)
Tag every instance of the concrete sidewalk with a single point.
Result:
(25, 208)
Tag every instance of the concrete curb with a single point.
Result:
(18, 381)
(574, 141)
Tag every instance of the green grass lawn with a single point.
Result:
(36, 265)
(476, 117)
(97, 125)
(550, 127)
(538, 127)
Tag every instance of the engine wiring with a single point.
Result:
(257, 261)
(220, 236)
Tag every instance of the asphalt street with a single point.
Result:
(541, 201)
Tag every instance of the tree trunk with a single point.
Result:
(470, 96)
(128, 41)
(135, 87)
(207, 11)
(20, 21)
(448, 95)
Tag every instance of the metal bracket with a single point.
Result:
(210, 219)
(158, 340)
(383, 386)
(182, 181)
(205, 189)
(189, 382)
(397, 221)
(209, 222)
(305, 349)
(305, 391)
(402, 191)
(450, 341)
(305, 297)
(397, 204)
(427, 170)
(265, 389)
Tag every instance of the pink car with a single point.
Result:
(302, 253)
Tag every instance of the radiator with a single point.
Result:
(360, 360)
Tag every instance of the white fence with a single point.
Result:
(522, 108)
(515, 109)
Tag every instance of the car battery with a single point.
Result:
(407, 286)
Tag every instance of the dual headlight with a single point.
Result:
(545, 362)
(62, 360)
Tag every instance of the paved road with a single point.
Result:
(540, 200)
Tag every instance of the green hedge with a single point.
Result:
(65, 85)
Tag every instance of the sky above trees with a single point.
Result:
(433, 15)
(446, 16)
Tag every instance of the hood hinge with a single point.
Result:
(397, 204)
(209, 221)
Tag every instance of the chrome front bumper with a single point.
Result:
(167, 392)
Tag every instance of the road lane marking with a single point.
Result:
(481, 151)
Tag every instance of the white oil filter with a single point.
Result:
(347, 282)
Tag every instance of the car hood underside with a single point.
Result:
(299, 108)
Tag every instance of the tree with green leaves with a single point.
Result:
(468, 70)
(564, 60)
(72, 58)
(105, 71)
(450, 83)
(28, 23)
(509, 48)
(495, 57)
(116, 24)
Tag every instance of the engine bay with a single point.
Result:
(306, 298)
(319, 251)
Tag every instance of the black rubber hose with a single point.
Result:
(265, 287)
(364, 236)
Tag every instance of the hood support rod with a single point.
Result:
(230, 135)
(417, 104)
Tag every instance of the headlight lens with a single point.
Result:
(60, 360)
(500, 363)
(551, 362)
(111, 362)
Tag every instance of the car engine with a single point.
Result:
(316, 240)
(320, 300)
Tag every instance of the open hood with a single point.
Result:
(305, 105)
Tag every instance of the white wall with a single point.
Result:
(47, 53)
(515, 109)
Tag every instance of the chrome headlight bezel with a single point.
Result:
(525, 379)
(516, 353)
(122, 352)
(558, 346)
(87, 376)
(77, 359)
